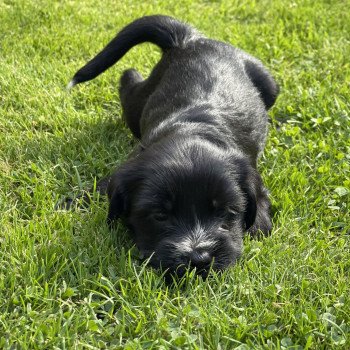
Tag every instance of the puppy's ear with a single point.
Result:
(251, 206)
(121, 189)
(248, 185)
(117, 198)
(257, 214)
(262, 224)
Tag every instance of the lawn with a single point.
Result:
(67, 282)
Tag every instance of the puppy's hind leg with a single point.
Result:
(83, 199)
(262, 80)
(132, 99)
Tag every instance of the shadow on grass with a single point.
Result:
(59, 161)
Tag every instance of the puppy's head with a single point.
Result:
(187, 204)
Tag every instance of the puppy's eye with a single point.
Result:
(231, 214)
(228, 216)
(225, 227)
(159, 216)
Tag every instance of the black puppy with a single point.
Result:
(191, 189)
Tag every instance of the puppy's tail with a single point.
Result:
(163, 31)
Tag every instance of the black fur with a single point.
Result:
(191, 188)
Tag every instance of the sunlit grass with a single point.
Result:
(66, 282)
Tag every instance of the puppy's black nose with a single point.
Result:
(200, 260)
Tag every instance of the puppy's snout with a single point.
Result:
(200, 260)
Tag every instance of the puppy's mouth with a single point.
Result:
(178, 266)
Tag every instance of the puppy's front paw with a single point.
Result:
(69, 203)
(64, 204)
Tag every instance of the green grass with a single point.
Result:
(66, 282)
